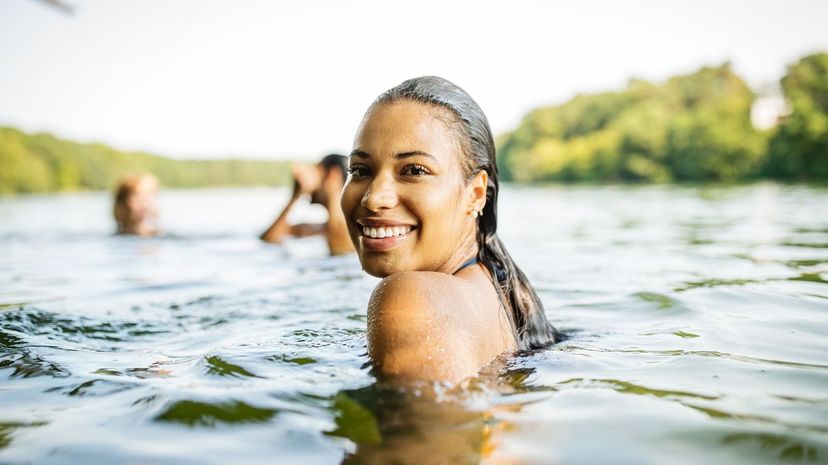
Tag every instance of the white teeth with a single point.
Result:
(381, 233)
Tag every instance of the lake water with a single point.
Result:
(697, 325)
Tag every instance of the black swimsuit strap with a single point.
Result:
(469, 263)
(500, 273)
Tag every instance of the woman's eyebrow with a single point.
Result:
(399, 156)
(416, 153)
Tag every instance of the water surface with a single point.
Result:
(696, 322)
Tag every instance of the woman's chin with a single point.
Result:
(380, 268)
(378, 271)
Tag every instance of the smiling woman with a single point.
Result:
(421, 206)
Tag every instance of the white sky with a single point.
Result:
(292, 78)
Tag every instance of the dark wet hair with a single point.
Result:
(337, 161)
(526, 310)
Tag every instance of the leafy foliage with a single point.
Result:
(694, 127)
(44, 163)
(799, 150)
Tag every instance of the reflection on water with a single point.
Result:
(217, 366)
(788, 449)
(630, 388)
(7, 428)
(193, 413)
(419, 426)
(695, 323)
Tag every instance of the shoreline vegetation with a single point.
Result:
(693, 128)
(38, 163)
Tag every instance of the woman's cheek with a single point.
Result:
(348, 200)
(435, 210)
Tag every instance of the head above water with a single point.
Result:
(334, 161)
(333, 169)
(135, 209)
(435, 112)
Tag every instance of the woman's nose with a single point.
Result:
(381, 194)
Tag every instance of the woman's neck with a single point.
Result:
(467, 249)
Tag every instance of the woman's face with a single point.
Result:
(406, 201)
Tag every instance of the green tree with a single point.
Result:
(713, 139)
(20, 170)
(799, 149)
(692, 128)
(44, 163)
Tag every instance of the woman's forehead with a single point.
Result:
(407, 126)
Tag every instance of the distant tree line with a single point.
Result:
(692, 128)
(44, 163)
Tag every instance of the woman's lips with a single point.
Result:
(383, 238)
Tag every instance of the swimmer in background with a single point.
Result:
(322, 183)
(421, 207)
(135, 209)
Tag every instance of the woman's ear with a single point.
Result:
(477, 191)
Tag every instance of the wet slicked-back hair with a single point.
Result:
(524, 308)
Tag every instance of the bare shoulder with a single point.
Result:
(431, 326)
(425, 291)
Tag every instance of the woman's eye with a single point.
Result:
(415, 170)
(358, 170)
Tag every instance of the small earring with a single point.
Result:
(473, 213)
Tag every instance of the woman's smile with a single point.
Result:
(379, 235)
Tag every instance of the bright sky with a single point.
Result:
(292, 78)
